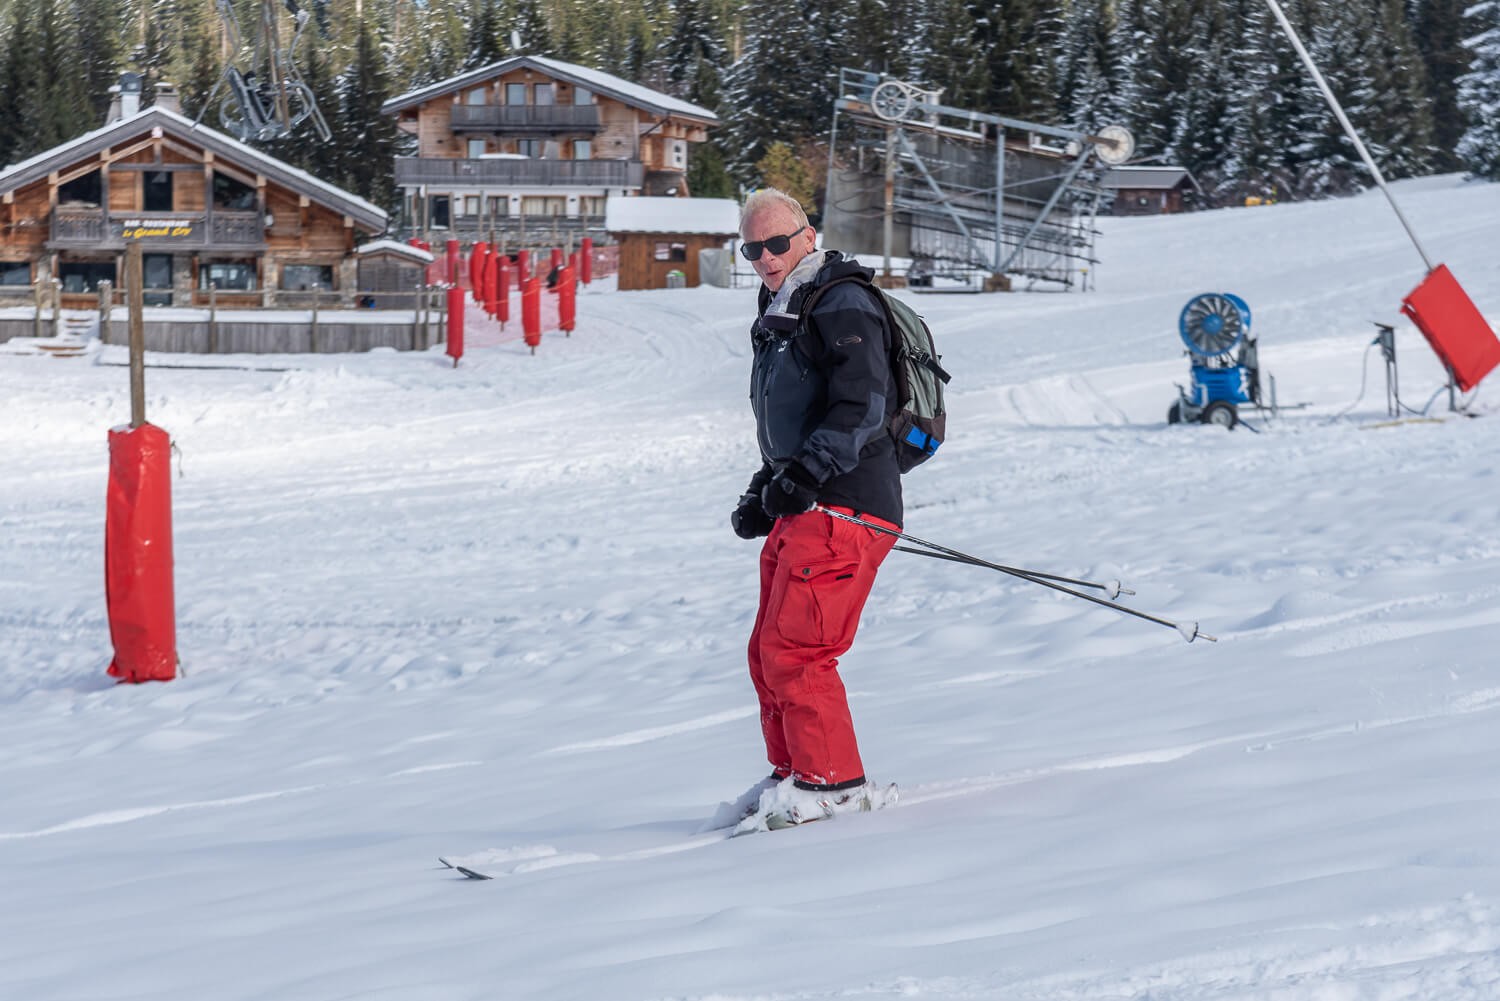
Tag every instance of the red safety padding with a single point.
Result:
(531, 312)
(1454, 327)
(455, 323)
(567, 300)
(138, 555)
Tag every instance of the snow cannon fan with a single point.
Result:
(1225, 369)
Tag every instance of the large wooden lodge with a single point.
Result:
(212, 215)
(535, 145)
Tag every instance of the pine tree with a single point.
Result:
(1438, 31)
(18, 71)
(485, 44)
(779, 89)
(707, 176)
(1479, 92)
(1089, 66)
(97, 24)
(58, 107)
(529, 22)
(694, 53)
(368, 137)
(950, 56)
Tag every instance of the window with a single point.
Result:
(679, 153)
(306, 277)
(582, 96)
(85, 276)
(437, 211)
(544, 94)
(156, 270)
(515, 93)
(671, 251)
(471, 205)
(583, 149)
(13, 273)
(228, 276)
(544, 206)
(475, 96)
(156, 279)
(476, 148)
(530, 147)
(233, 194)
(157, 191)
(591, 205)
(82, 191)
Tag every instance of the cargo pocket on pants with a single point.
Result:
(817, 605)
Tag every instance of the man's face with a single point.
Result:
(777, 220)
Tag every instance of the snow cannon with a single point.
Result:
(1224, 367)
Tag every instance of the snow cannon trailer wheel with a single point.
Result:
(1174, 413)
(1220, 413)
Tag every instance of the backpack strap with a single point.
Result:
(812, 299)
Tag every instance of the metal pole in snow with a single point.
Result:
(1338, 111)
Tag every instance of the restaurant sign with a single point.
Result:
(157, 229)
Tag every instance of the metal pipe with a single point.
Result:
(1338, 111)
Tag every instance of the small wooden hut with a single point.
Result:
(660, 236)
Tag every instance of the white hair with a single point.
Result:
(762, 199)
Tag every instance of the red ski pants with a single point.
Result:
(815, 574)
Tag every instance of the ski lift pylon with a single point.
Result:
(260, 107)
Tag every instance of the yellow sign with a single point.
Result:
(157, 229)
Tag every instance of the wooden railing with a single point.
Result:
(541, 119)
(412, 170)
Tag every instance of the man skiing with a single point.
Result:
(823, 393)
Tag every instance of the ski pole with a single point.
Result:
(1112, 589)
(1188, 630)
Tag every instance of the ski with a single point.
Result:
(495, 863)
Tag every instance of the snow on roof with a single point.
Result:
(672, 215)
(396, 247)
(596, 80)
(187, 128)
(1146, 177)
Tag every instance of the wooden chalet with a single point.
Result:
(207, 210)
(535, 145)
(1151, 190)
(660, 236)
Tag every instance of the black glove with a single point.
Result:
(791, 491)
(749, 518)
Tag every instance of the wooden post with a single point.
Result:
(136, 298)
(56, 308)
(39, 300)
(106, 309)
(312, 330)
(213, 318)
(424, 294)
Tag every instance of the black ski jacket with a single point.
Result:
(823, 394)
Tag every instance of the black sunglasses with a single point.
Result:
(776, 244)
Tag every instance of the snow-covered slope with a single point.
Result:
(497, 610)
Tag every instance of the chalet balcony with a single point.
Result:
(539, 120)
(502, 172)
(95, 229)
